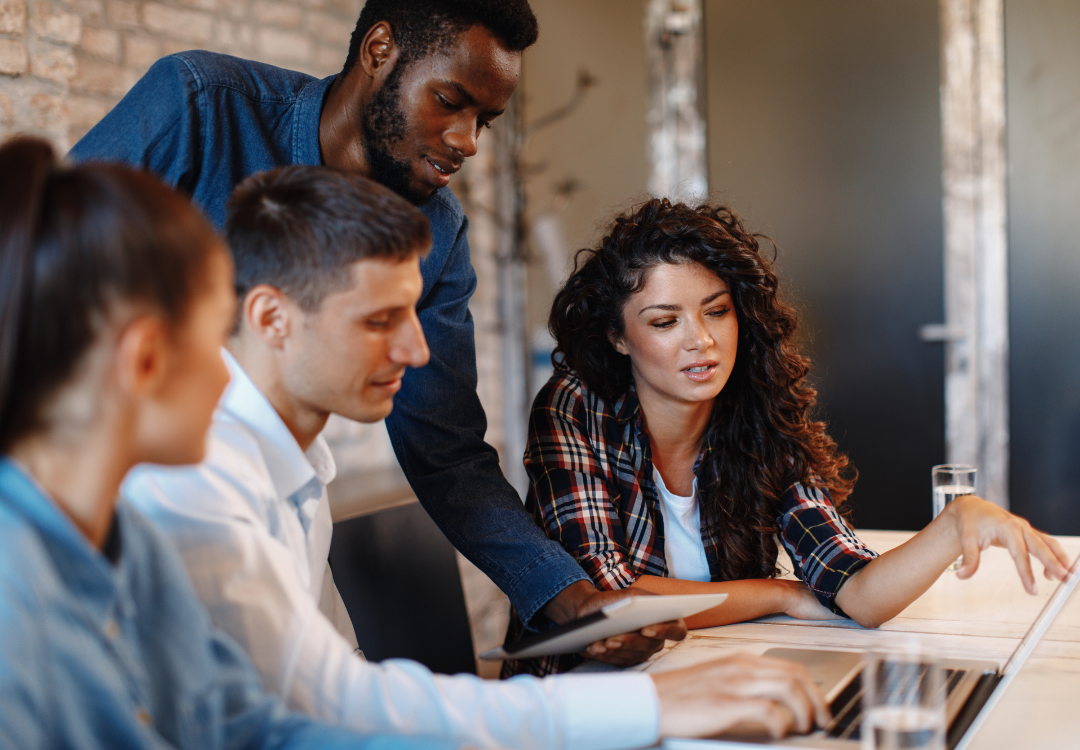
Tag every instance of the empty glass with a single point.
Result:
(950, 481)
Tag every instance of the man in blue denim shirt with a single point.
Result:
(420, 81)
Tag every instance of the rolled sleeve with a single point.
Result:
(823, 548)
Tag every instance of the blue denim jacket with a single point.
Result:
(204, 122)
(100, 655)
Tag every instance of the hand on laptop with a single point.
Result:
(980, 524)
(753, 693)
(582, 598)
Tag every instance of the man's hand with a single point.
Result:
(980, 524)
(582, 598)
(753, 693)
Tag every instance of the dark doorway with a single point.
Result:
(824, 131)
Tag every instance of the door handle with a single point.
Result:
(941, 332)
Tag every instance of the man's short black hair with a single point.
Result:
(299, 229)
(422, 26)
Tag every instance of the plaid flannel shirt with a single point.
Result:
(592, 490)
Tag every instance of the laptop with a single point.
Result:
(972, 687)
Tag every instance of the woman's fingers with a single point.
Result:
(1049, 552)
(970, 544)
(1013, 540)
(982, 524)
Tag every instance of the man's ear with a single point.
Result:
(268, 315)
(143, 352)
(378, 52)
(617, 342)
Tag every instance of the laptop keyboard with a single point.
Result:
(847, 707)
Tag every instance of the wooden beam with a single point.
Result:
(976, 251)
(674, 50)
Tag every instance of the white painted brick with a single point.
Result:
(7, 110)
(103, 43)
(47, 112)
(14, 59)
(245, 36)
(55, 25)
(53, 64)
(207, 5)
(141, 51)
(12, 16)
(286, 46)
(172, 46)
(277, 14)
(123, 14)
(330, 29)
(88, 10)
(178, 23)
(97, 77)
(83, 112)
(224, 35)
(329, 60)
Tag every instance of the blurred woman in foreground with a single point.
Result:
(115, 298)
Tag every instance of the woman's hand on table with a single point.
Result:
(748, 692)
(979, 524)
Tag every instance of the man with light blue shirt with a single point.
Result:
(328, 275)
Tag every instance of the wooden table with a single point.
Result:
(984, 618)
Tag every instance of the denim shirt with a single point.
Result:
(204, 122)
(101, 655)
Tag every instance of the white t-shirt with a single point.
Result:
(683, 548)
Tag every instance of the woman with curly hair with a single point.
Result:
(675, 444)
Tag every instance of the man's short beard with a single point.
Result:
(383, 125)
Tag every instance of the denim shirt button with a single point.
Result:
(112, 630)
(143, 717)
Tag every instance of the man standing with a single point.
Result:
(421, 80)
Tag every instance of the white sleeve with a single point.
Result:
(249, 583)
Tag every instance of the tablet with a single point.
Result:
(624, 616)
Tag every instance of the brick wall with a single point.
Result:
(65, 63)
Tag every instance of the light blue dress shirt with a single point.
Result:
(252, 525)
(97, 655)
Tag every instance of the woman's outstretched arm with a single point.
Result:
(747, 599)
(886, 585)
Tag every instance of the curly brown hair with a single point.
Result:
(762, 435)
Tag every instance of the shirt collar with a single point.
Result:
(309, 103)
(628, 406)
(290, 468)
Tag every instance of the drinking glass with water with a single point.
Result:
(904, 702)
(949, 482)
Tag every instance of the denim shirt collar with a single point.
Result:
(81, 566)
(305, 129)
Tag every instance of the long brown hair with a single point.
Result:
(74, 243)
(762, 437)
